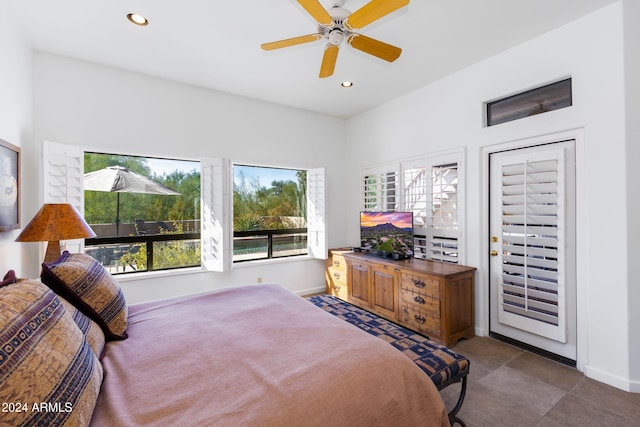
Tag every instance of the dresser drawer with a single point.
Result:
(420, 320)
(338, 263)
(337, 280)
(336, 274)
(421, 285)
(422, 302)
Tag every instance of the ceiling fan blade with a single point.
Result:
(374, 47)
(317, 11)
(372, 11)
(291, 42)
(329, 60)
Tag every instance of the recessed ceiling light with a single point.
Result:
(137, 19)
(346, 84)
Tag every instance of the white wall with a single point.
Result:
(449, 114)
(107, 109)
(16, 127)
(632, 70)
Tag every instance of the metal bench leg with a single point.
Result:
(453, 419)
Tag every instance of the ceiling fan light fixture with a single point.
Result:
(137, 19)
(335, 37)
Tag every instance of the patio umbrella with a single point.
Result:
(118, 179)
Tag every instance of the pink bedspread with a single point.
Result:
(257, 355)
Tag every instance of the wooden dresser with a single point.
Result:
(433, 298)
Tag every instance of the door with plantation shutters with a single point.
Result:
(532, 247)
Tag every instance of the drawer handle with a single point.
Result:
(420, 300)
(418, 283)
(420, 319)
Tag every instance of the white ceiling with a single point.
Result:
(216, 44)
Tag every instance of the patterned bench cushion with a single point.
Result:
(442, 365)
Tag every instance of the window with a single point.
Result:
(144, 211)
(217, 219)
(63, 171)
(430, 188)
(269, 212)
(540, 100)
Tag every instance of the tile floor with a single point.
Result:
(508, 386)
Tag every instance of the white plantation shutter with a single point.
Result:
(369, 191)
(216, 192)
(379, 189)
(415, 190)
(316, 214)
(532, 283)
(442, 235)
(63, 173)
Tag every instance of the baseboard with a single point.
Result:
(616, 381)
(311, 291)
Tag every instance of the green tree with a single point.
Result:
(100, 207)
(257, 207)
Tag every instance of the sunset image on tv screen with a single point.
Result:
(389, 232)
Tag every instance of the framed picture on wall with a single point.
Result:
(9, 186)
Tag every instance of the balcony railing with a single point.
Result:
(116, 253)
(111, 251)
(267, 244)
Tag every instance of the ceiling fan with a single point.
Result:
(337, 25)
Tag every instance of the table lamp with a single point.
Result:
(52, 223)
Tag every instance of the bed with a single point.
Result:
(251, 355)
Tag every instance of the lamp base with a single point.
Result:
(53, 251)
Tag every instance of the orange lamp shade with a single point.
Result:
(55, 222)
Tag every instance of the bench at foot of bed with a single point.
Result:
(442, 365)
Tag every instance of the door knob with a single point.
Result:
(494, 253)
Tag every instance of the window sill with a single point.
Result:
(259, 262)
(199, 270)
(155, 274)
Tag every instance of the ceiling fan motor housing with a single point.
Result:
(336, 33)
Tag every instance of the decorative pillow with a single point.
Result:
(9, 278)
(49, 374)
(92, 332)
(86, 284)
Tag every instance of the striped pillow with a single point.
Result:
(47, 369)
(92, 332)
(86, 284)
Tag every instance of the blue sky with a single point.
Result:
(165, 167)
(265, 175)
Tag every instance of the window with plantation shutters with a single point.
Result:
(430, 188)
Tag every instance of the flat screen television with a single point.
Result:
(387, 234)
